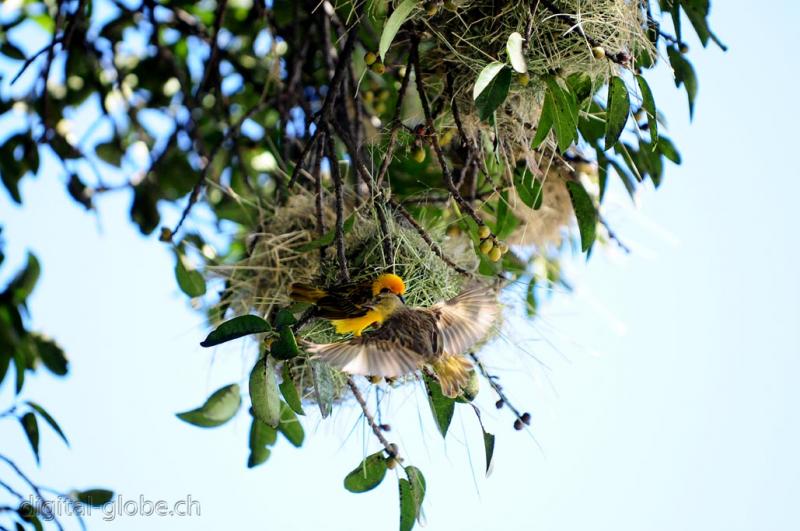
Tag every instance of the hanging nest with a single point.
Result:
(288, 248)
(560, 39)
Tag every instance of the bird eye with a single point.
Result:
(385, 290)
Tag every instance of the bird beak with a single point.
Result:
(402, 299)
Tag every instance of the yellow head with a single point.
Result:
(388, 281)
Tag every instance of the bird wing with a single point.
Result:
(466, 318)
(368, 356)
(345, 301)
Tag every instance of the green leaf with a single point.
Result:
(697, 11)
(21, 286)
(324, 389)
(592, 124)
(545, 121)
(49, 419)
(581, 85)
(290, 426)
(261, 436)
(241, 326)
(684, 75)
(51, 355)
(488, 447)
(408, 506)
(31, 427)
(564, 111)
(529, 189)
(109, 152)
(515, 55)
(619, 107)
(11, 51)
(19, 369)
(220, 407)
(45, 22)
(285, 346)
(190, 281)
(531, 304)
(418, 484)
(264, 392)
(367, 475)
(289, 390)
(412, 493)
(441, 406)
(284, 318)
(668, 149)
(506, 221)
(649, 106)
(258, 456)
(94, 497)
(584, 212)
(491, 88)
(393, 25)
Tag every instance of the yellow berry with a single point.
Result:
(418, 154)
(450, 6)
(684, 48)
(598, 52)
(495, 254)
(375, 380)
(378, 67)
(384, 95)
(503, 247)
(431, 8)
(369, 96)
(391, 463)
(484, 232)
(487, 246)
(380, 108)
(523, 79)
(447, 137)
(370, 58)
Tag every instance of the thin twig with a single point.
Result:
(446, 173)
(376, 429)
(333, 162)
(425, 236)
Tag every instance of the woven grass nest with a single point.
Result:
(287, 249)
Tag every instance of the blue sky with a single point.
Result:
(668, 401)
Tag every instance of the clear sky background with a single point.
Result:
(666, 398)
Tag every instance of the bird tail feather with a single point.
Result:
(453, 373)
(305, 293)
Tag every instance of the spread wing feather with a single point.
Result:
(466, 318)
(368, 356)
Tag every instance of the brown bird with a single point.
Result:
(411, 338)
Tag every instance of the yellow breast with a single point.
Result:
(357, 325)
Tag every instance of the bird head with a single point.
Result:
(386, 303)
(388, 281)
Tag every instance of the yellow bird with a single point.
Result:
(411, 338)
(346, 305)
